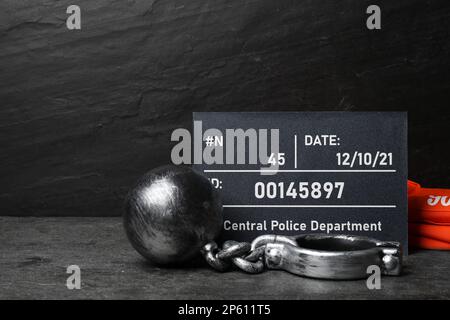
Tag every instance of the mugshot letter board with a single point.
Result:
(293, 173)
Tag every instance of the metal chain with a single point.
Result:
(248, 257)
(239, 254)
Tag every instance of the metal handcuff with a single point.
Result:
(319, 256)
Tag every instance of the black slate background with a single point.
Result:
(84, 113)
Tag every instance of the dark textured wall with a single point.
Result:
(84, 113)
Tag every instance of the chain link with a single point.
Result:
(239, 254)
(209, 252)
(244, 263)
(248, 257)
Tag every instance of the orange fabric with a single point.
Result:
(429, 217)
(428, 205)
(438, 218)
(427, 243)
(440, 233)
(413, 187)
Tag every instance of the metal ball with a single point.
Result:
(171, 213)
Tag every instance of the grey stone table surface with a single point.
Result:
(35, 253)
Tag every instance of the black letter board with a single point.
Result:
(307, 172)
